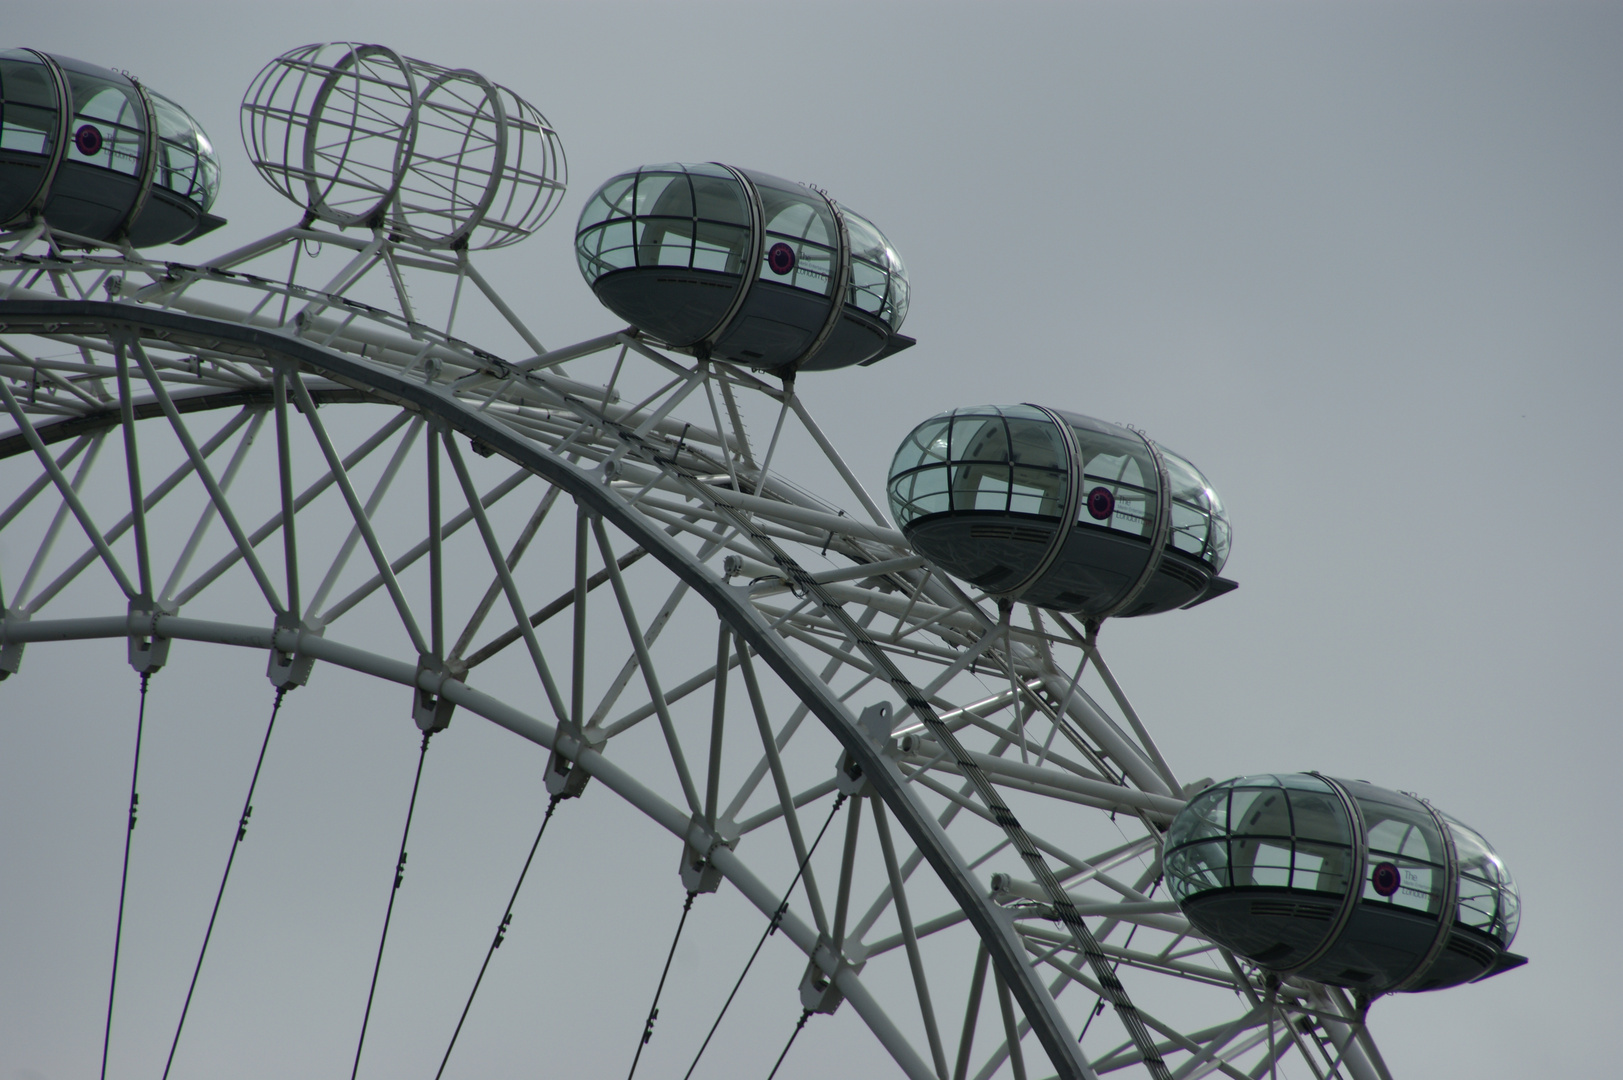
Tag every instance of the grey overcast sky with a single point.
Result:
(1359, 261)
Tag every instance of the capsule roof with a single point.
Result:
(743, 266)
(1342, 882)
(99, 156)
(1060, 510)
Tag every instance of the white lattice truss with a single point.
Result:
(922, 698)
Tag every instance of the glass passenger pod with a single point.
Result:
(1059, 510)
(744, 267)
(1341, 882)
(76, 147)
(32, 132)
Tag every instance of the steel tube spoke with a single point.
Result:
(204, 474)
(69, 495)
(650, 678)
(358, 513)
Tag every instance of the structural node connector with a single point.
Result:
(442, 157)
(1060, 510)
(737, 265)
(96, 156)
(1342, 882)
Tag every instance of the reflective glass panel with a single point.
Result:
(878, 279)
(1488, 900)
(1322, 867)
(612, 200)
(717, 195)
(28, 107)
(802, 221)
(1319, 816)
(187, 164)
(1262, 862)
(919, 493)
(1400, 832)
(611, 246)
(663, 194)
(980, 452)
(1259, 812)
(109, 122)
(1124, 468)
(926, 445)
(1196, 869)
(1205, 817)
(1196, 513)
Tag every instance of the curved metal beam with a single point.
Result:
(731, 603)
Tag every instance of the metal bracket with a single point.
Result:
(11, 653)
(148, 651)
(818, 993)
(565, 779)
(287, 670)
(876, 721)
(431, 711)
(848, 777)
(699, 874)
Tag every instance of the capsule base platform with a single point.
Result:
(1095, 568)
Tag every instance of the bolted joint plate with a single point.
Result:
(430, 710)
(698, 872)
(818, 993)
(148, 651)
(11, 652)
(876, 722)
(287, 670)
(565, 779)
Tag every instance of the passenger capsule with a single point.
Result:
(99, 156)
(1060, 510)
(1342, 882)
(741, 266)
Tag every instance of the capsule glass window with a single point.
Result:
(878, 278)
(1124, 468)
(1199, 527)
(920, 472)
(1009, 460)
(28, 108)
(1400, 832)
(984, 458)
(1488, 900)
(1262, 831)
(691, 216)
(187, 164)
(801, 240)
(108, 128)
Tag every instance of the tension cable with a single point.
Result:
(805, 1014)
(771, 928)
(399, 876)
(124, 879)
(501, 932)
(653, 1010)
(242, 833)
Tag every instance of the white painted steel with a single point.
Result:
(696, 496)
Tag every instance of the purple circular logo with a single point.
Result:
(781, 258)
(88, 140)
(1386, 878)
(1101, 503)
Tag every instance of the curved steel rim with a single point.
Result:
(731, 604)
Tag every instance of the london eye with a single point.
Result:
(878, 734)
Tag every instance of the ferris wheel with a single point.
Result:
(891, 741)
